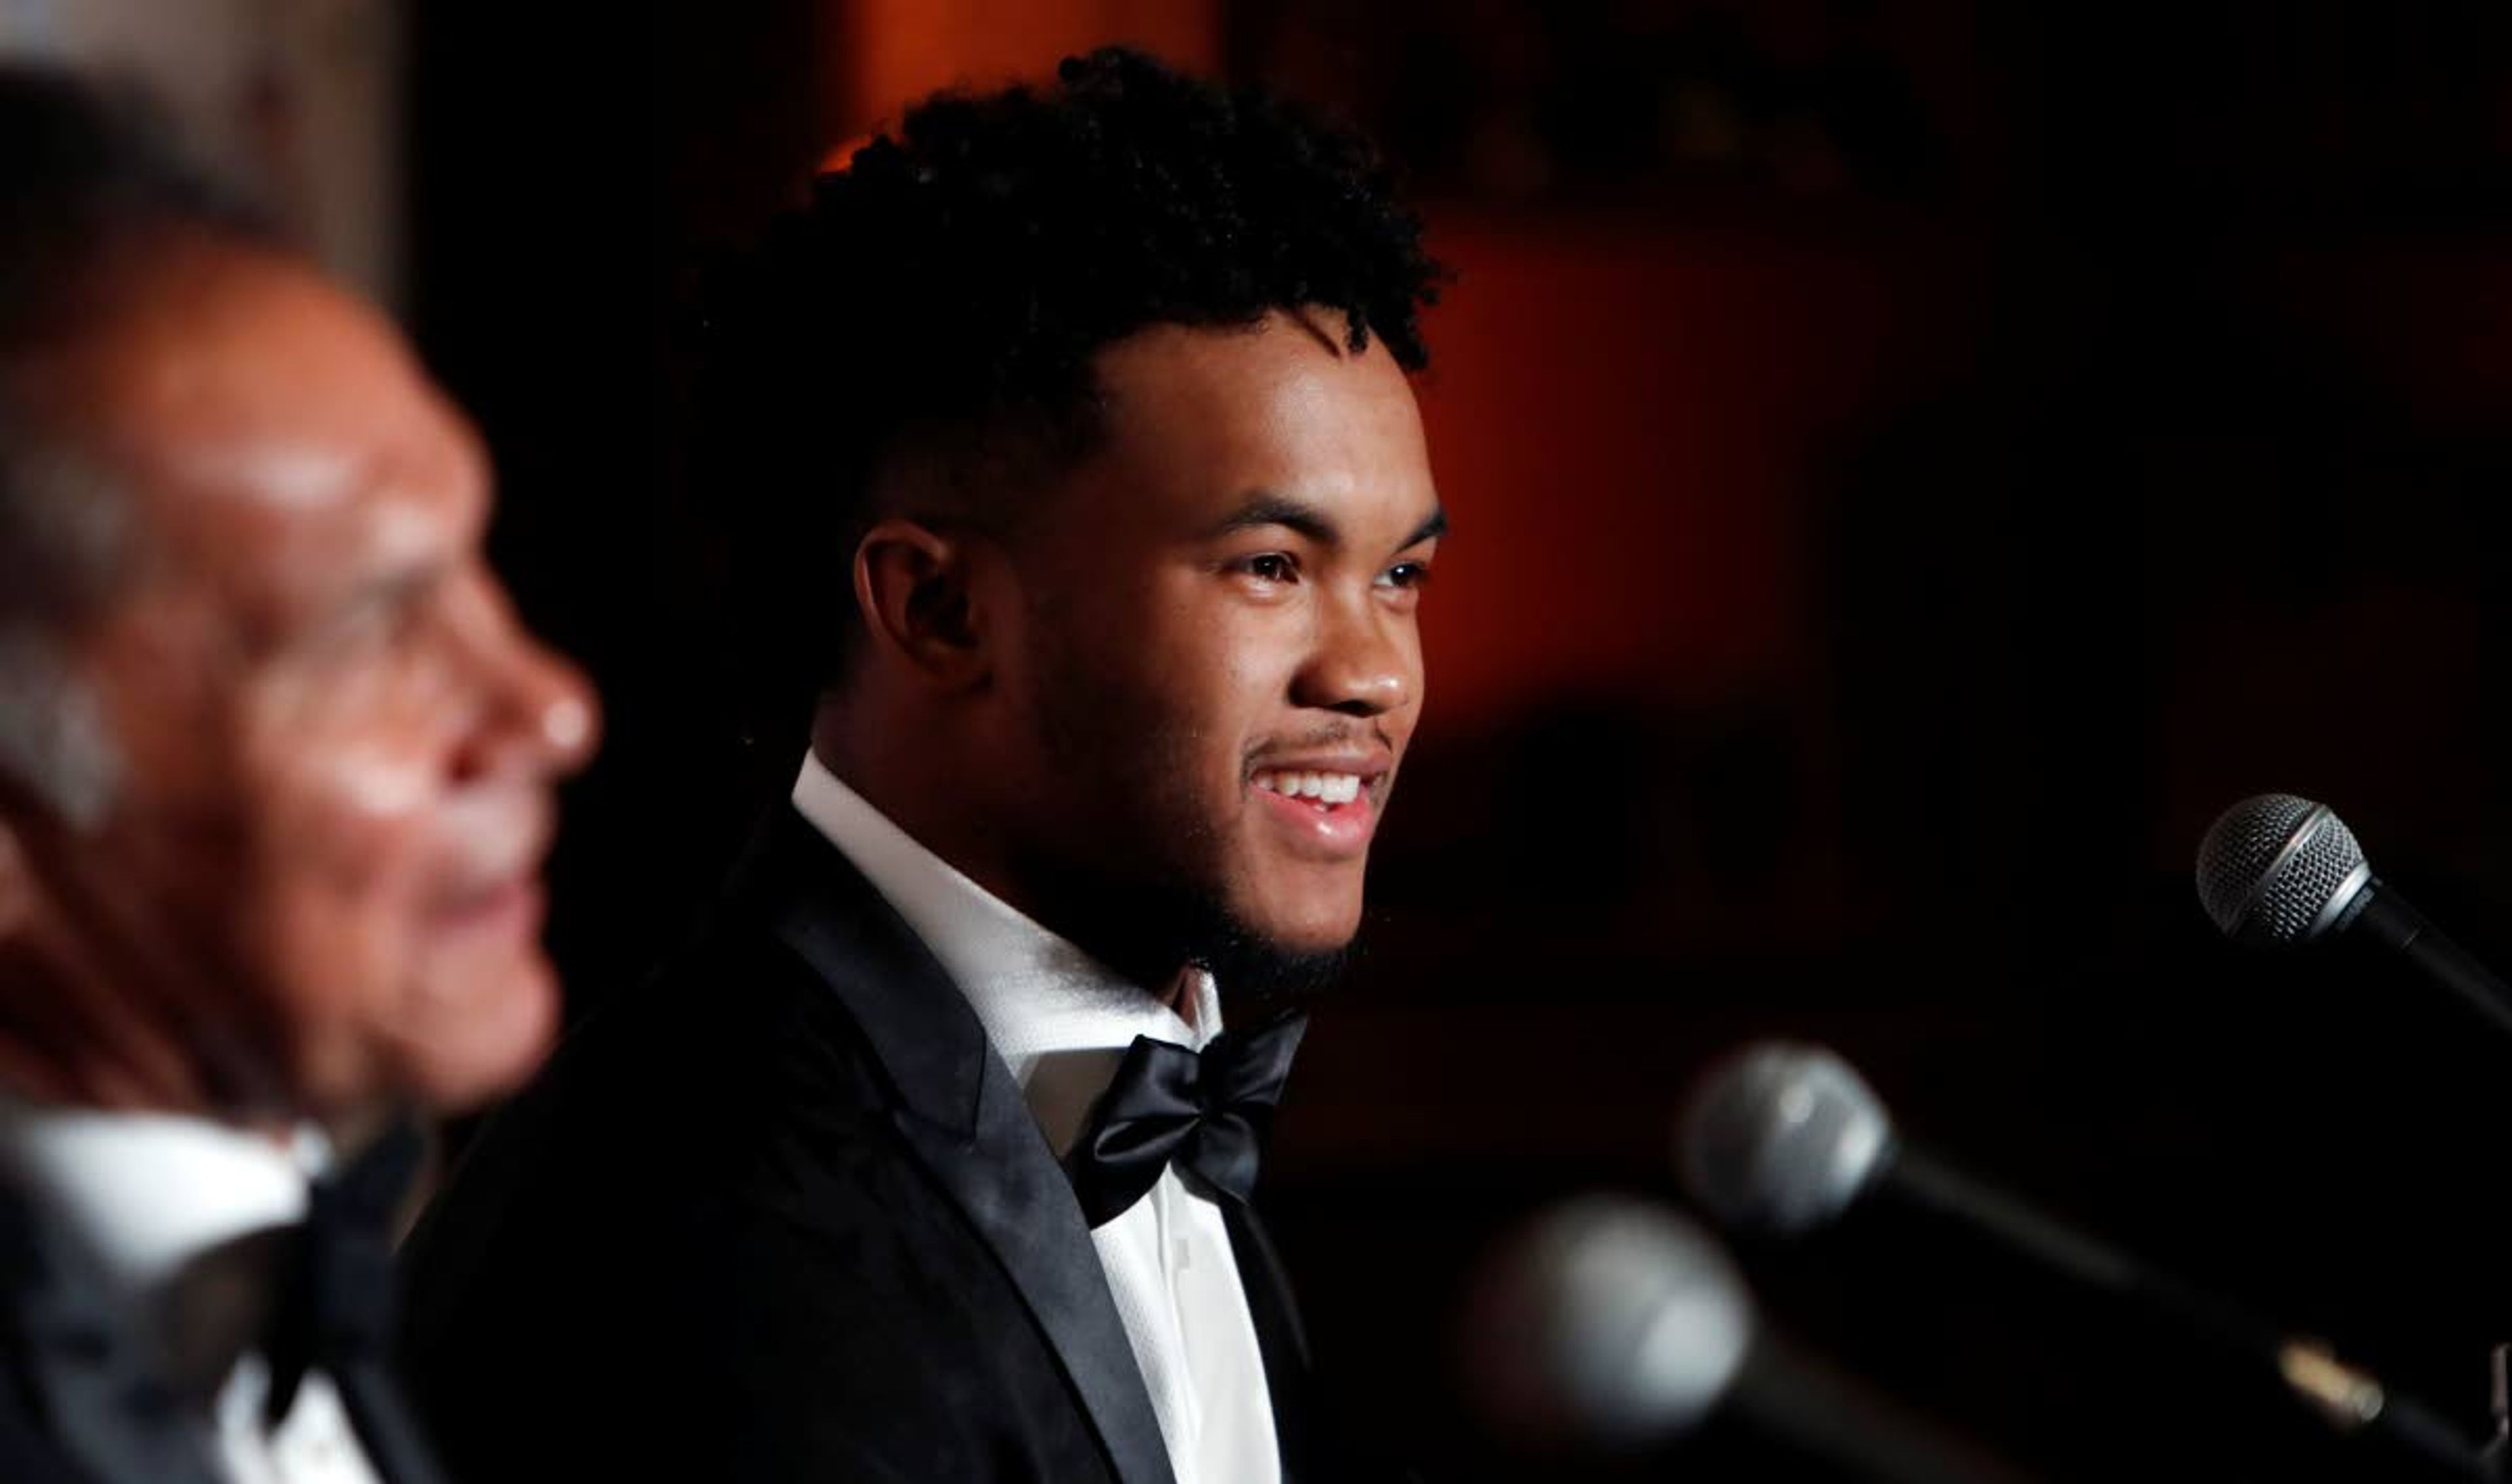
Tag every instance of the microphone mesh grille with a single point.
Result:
(1782, 1138)
(2250, 893)
(1608, 1321)
(2239, 847)
(2298, 895)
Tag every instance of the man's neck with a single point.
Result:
(930, 814)
(74, 1039)
(96, 1011)
(1181, 999)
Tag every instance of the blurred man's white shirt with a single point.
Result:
(157, 1201)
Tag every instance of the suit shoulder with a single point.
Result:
(732, 1081)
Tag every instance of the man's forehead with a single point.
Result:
(1293, 353)
(219, 341)
(267, 431)
(243, 380)
(1285, 405)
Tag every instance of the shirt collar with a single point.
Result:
(1059, 1018)
(147, 1194)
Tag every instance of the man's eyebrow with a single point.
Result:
(1264, 508)
(389, 591)
(1268, 509)
(1432, 526)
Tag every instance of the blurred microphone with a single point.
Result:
(1783, 1139)
(1616, 1322)
(2281, 871)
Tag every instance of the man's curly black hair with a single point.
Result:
(938, 303)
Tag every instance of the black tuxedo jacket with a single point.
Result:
(783, 1214)
(84, 1394)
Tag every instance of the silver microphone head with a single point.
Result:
(2278, 870)
(1608, 1321)
(1781, 1138)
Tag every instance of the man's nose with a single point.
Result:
(540, 714)
(557, 708)
(1364, 664)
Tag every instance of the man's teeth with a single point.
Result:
(1324, 787)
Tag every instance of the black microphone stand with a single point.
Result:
(2353, 1404)
(2498, 1448)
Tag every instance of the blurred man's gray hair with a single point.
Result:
(91, 185)
(60, 559)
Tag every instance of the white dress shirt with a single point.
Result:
(1061, 1021)
(149, 1196)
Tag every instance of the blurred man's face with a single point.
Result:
(1222, 666)
(336, 746)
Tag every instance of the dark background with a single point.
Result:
(1913, 462)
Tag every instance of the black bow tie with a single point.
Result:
(1204, 1112)
(333, 1309)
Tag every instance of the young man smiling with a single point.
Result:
(1083, 484)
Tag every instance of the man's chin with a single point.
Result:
(464, 1060)
(1145, 925)
(1270, 971)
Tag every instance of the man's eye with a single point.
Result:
(1272, 566)
(1406, 574)
(373, 627)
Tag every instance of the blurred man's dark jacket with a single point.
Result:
(88, 1394)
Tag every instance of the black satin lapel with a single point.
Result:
(920, 1027)
(1009, 1185)
(104, 1400)
(352, 1210)
(393, 1443)
(1281, 1339)
(962, 1116)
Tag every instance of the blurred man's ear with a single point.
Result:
(16, 882)
(58, 762)
(31, 826)
(914, 589)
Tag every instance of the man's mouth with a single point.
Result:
(1325, 789)
(494, 883)
(1331, 812)
(509, 908)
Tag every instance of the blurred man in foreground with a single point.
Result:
(1089, 497)
(275, 785)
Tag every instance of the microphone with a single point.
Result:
(1611, 1321)
(1783, 1139)
(2281, 870)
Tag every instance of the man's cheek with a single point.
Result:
(474, 1024)
(350, 833)
(319, 965)
(337, 945)
(354, 896)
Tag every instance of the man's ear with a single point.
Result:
(17, 882)
(913, 586)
